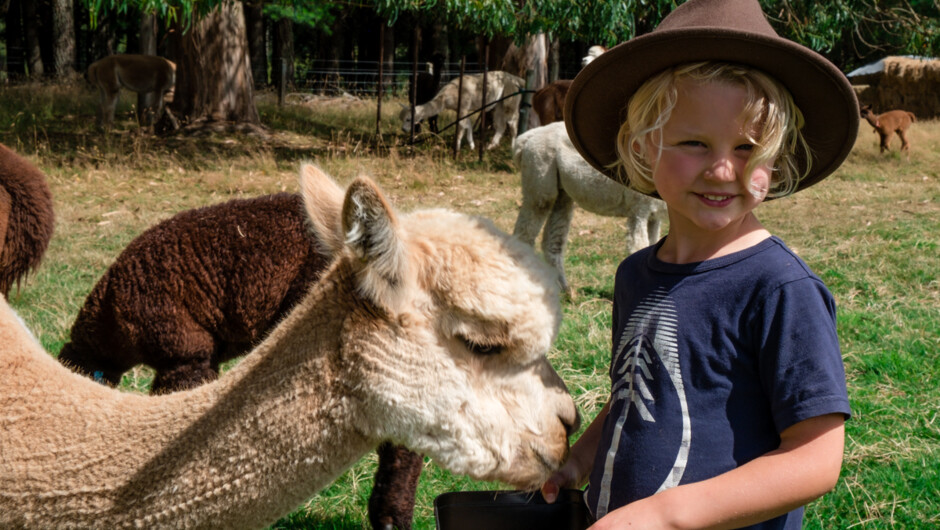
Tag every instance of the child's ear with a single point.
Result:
(639, 149)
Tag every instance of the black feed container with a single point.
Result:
(510, 510)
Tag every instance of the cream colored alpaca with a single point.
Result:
(430, 330)
(499, 85)
(555, 177)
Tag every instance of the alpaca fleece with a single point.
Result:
(26, 218)
(555, 177)
(383, 347)
(196, 290)
(203, 287)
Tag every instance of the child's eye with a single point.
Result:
(745, 147)
(692, 143)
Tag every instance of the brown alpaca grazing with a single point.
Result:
(549, 101)
(26, 218)
(428, 329)
(202, 288)
(888, 123)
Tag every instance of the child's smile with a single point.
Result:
(700, 173)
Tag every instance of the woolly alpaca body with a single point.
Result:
(549, 101)
(396, 342)
(555, 177)
(196, 290)
(888, 123)
(200, 289)
(153, 78)
(26, 218)
(498, 85)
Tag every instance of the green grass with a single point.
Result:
(871, 231)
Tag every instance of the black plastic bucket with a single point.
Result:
(510, 510)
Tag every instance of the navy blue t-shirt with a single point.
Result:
(710, 362)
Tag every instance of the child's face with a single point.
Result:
(700, 173)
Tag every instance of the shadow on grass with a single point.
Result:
(595, 292)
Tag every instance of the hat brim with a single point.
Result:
(595, 106)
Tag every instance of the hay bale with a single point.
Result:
(910, 84)
(866, 94)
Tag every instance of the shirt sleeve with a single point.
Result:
(801, 365)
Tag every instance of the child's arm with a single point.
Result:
(578, 466)
(803, 468)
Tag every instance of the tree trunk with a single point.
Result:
(257, 43)
(16, 58)
(213, 72)
(47, 36)
(148, 34)
(283, 53)
(31, 21)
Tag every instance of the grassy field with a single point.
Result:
(871, 231)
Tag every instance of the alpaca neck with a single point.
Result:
(432, 108)
(235, 453)
(872, 119)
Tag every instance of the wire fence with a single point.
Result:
(361, 78)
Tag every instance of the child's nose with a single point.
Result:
(722, 169)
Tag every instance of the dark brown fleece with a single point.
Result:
(26, 218)
(196, 290)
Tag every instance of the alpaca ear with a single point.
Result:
(374, 235)
(323, 202)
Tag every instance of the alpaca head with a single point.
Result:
(405, 116)
(451, 358)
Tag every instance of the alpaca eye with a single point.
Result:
(482, 349)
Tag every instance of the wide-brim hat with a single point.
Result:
(733, 31)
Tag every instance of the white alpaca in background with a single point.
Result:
(555, 177)
(498, 85)
(592, 53)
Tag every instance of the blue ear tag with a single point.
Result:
(99, 376)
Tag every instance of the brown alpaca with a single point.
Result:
(202, 288)
(26, 218)
(888, 123)
(153, 78)
(429, 329)
(549, 101)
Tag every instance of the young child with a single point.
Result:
(728, 393)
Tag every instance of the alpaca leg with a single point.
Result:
(499, 125)
(183, 359)
(654, 225)
(885, 140)
(464, 128)
(530, 220)
(392, 502)
(637, 234)
(107, 106)
(905, 146)
(555, 238)
(184, 376)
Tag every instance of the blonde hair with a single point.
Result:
(768, 104)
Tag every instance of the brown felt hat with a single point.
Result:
(733, 31)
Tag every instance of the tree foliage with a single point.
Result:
(847, 31)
